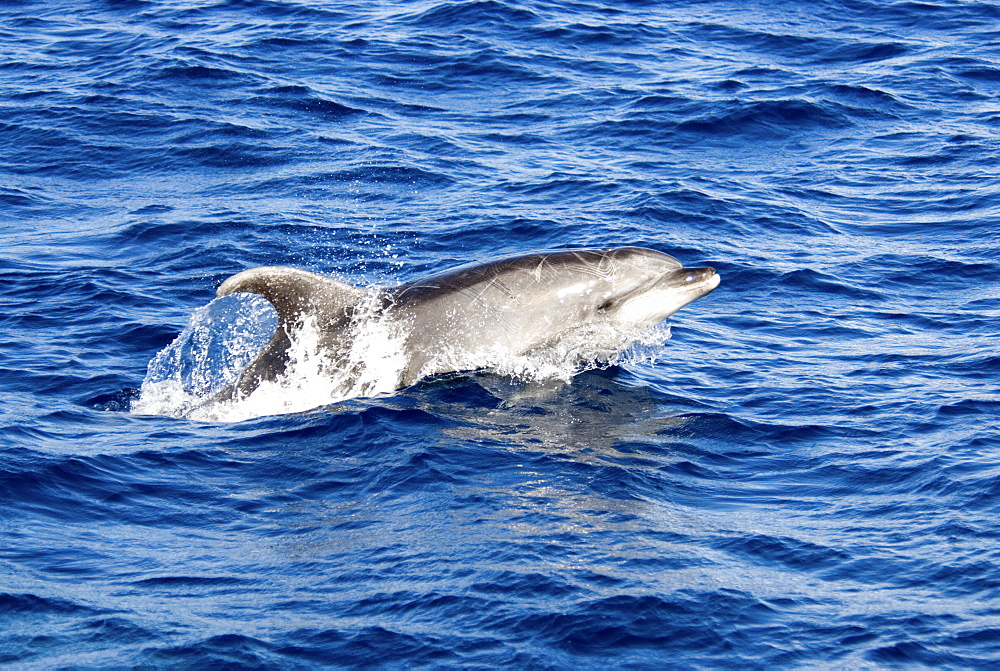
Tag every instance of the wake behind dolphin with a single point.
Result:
(535, 315)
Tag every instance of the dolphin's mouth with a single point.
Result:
(661, 298)
(699, 281)
(714, 280)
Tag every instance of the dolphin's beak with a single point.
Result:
(697, 280)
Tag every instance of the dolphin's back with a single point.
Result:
(533, 271)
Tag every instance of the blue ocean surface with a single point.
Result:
(805, 475)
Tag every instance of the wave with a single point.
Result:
(805, 475)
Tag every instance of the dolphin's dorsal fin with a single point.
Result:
(296, 294)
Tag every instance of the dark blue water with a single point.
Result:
(807, 476)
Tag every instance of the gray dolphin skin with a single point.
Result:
(520, 303)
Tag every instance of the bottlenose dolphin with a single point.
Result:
(519, 304)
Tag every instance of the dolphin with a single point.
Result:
(520, 304)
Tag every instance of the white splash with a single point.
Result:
(598, 345)
(223, 337)
(218, 342)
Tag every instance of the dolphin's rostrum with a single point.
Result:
(517, 304)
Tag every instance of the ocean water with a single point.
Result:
(806, 474)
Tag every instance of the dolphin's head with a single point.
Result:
(645, 286)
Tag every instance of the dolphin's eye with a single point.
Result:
(606, 305)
